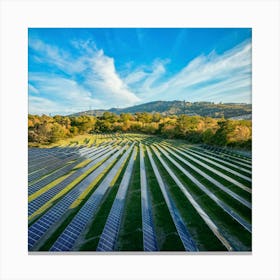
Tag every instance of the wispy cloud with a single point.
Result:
(41, 105)
(50, 55)
(64, 95)
(135, 77)
(207, 77)
(91, 80)
(32, 89)
(158, 71)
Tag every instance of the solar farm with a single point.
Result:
(135, 192)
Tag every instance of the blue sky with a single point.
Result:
(73, 69)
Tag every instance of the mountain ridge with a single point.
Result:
(176, 107)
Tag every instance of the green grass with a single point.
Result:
(130, 236)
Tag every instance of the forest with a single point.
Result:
(44, 130)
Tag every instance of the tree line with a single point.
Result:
(195, 129)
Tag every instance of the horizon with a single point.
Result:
(81, 69)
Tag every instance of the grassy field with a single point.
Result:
(130, 229)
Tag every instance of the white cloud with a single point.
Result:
(104, 78)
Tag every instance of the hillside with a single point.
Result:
(209, 109)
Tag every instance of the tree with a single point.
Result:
(57, 132)
(124, 117)
(110, 117)
(221, 136)
(63, 121)
(207, 136)
(144, 117)
(195, 129)
(84, 124)
(156, 117)
(103, 126)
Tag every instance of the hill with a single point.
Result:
(205, 109)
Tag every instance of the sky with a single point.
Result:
(78, 69)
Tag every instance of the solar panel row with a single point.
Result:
(166, 154)
(223, 157)
(149, 235)
(109, 235)
(35, 154)
(227, 154)
(230, 170)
